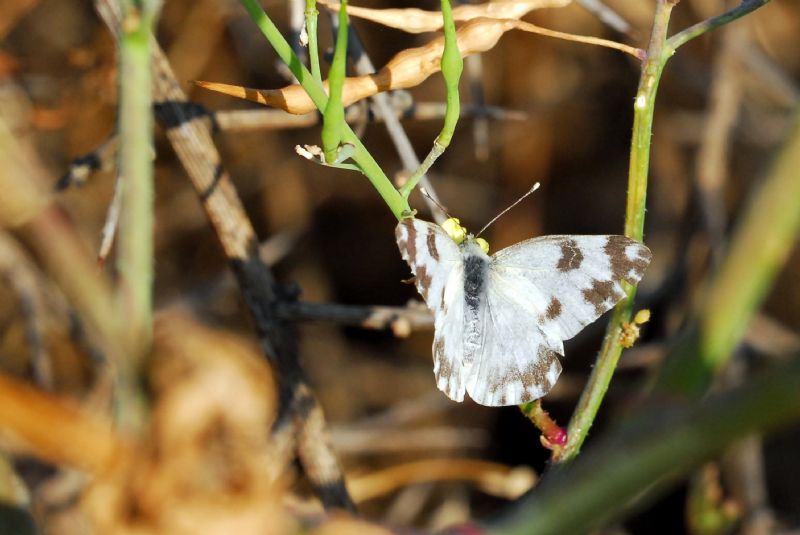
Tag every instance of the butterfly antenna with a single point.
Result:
(498, 216)
(434, 201)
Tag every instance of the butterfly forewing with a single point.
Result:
(436, 263)
(579, 276)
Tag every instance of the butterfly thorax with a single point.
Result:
(476, 268)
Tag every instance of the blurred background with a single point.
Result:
(545, 110)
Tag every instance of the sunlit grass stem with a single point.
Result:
(135, 257)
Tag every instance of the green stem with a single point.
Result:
(553, 436)
(681, 38)
(333, 116)
(135, 259)
(452, 66)
(396, 202)
(611, 349)
(659, 51)
(312, 13)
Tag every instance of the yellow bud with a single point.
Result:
(484, 244)
(454, 229)
(643, 316)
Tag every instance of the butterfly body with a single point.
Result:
(500, 320)
(476, 269)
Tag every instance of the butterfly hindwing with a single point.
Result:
(448, 342)
(517, 361)
(436, 263)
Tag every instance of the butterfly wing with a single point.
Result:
(573, 279)
(540, 292)
(437, 265)
(517, 361)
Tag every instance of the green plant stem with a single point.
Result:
(659, 51)
(653, 450)
(396, 202)
(681, 38)
(553, 436)
(333, 116)
(312, 13)
(760, 245)
(452, 66)
(611, 349)
(135, 259)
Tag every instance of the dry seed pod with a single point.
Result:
(413, 20)
(408, 68)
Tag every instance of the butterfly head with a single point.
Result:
(460, 235)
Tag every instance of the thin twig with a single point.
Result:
(387, 440)
(103, 158)
(681, 38)
(493, 478)
(23, 278)
(775, 82)
(109, 230)
(401, 320)
(606, 15)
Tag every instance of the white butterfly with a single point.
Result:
(500, 320)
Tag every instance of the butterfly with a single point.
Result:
(500, 320)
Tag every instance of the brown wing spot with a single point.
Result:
(434, 252)
(536, 372)
(411, 246)
(438, 349)
(533, 375)
(553, 309)
(622, 266)
(423, 281)
(603, 295)
(444, 368)
(571, 256)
